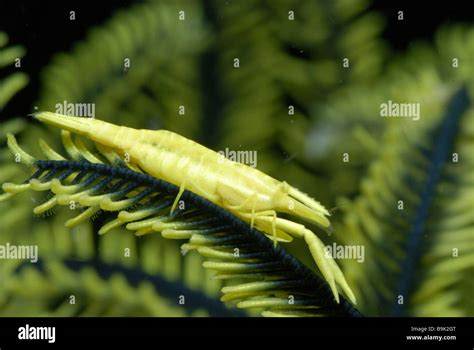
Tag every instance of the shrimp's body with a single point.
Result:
(248, 193)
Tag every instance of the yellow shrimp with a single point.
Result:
(246, 192)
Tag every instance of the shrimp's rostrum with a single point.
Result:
(246, 192)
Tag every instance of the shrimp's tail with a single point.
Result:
(94, 129)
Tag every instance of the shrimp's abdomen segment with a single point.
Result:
(178, 144)
(177, 169)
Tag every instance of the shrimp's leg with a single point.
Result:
(241, 206)
(328, 267)
(210, 196)
(254, 204)
(196, 188)
(178, 196)
(253, 214)
(266, 213)
(254, 198)
(182, 188)
(273, 214)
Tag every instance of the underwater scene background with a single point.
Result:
(366, 107)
